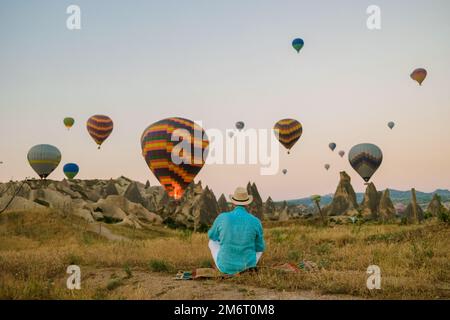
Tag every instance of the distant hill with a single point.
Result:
(396, 196)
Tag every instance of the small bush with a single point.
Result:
(427, 215)
(444, 216)
(127, 271)
(159, 266)
(113, 284)
(206, 263)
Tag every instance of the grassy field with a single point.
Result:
(37, 247)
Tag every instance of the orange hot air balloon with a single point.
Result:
(174, 168)
(419, 75)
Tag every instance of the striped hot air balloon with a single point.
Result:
(288, 131)
(365, 158)
(44, 159)
(71, 170)
(99, 127)
(175, 151)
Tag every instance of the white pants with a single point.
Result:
(214, 246)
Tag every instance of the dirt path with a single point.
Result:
(147, 285)
(103, 231)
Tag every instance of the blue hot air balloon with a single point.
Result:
(298, 44)
(71, 170)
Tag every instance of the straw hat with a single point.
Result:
(241, 197)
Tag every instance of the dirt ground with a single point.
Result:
(149, 285)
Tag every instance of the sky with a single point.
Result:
(219, 62)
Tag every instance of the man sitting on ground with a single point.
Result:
(236, 237)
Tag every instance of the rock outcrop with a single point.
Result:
(196, 209)
(386, 209)
(409, 213)
(344, 200)
(256, 207)
(370, 203)
(133, 194)
(223, 204)
(269, 209)
(435, 207)
(110, 189)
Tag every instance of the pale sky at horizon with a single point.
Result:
(223, 61)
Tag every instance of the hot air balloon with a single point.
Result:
(365, 158)
(68, 122)
(341, 153)
(419, 75)
(44, 159)
(284, 171)
(240, 125)
(99, 127)
(391, 124)
(332, 146)
(288, 131)
(327, 166)
(159, 152)
(71, 170)
(298, 44)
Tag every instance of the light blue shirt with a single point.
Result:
(240, 235)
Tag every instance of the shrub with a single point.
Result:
(159, 266)
(113, 284)
(444, 216)
(128, 271)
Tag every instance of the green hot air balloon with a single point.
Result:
(44, 159)
(298, 44)
(68, 122)
(365, 158)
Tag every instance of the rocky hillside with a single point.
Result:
(132, 203)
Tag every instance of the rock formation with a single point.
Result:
(223, 204)
(435, 207)
(110, 189)
(344, 200)
(386, 209)
(196, 209)
(133, 194)
(369, 205)
(256, 207)
(269, 209)
(409, 213)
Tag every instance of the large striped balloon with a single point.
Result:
(288, 131)
(174, 168)
(44, 158)
(71, 170)
(99, 127)
(365, 158)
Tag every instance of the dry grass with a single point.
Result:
(36, 248)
